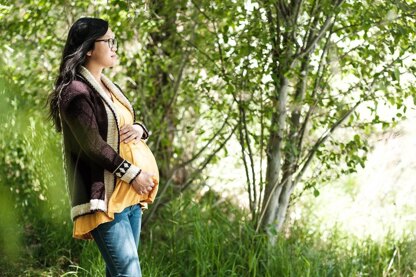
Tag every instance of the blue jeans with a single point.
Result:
(118, 241)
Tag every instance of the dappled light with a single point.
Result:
(377, 201)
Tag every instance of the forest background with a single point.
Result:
(283, 131)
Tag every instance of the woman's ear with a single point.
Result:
(89, 53)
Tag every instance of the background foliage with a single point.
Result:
(206, 76)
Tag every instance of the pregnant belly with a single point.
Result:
(140, 155)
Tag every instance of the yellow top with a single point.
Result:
(124, 194)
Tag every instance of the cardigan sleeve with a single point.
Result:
(78, 114)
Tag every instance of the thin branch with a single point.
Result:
(220, 51)
(274, 31)
(311, 45)
(208, 160)
(261, 151)
(250, 155)
(199, 50)
(324, 28)
(322, 139)
(309, 28)
(318, 78)
(177, 80)
(194, 174)
(329, 132)
(295, 6)
(243, 154)
(206, 145)
(283, 9)
(374, 23)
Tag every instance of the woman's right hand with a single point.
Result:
(143, 184)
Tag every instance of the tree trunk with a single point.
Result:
(284, 198)
(274, 157)
(163, 86)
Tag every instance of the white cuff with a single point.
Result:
(127, 171)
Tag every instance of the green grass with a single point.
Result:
(204, 238)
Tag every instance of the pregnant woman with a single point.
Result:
(111, 173)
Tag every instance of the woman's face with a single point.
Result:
(102, 54)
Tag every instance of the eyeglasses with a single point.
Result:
(112, 42)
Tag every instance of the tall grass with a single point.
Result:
(210, 238)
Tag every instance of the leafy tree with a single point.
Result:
(279, 76)
(157, 71)
(292, 73)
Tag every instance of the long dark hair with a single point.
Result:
(80, 40)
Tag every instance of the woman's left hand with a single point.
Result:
(131, 132)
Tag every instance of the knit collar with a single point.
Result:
(110, 85)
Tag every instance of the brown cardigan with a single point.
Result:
(91, 143)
